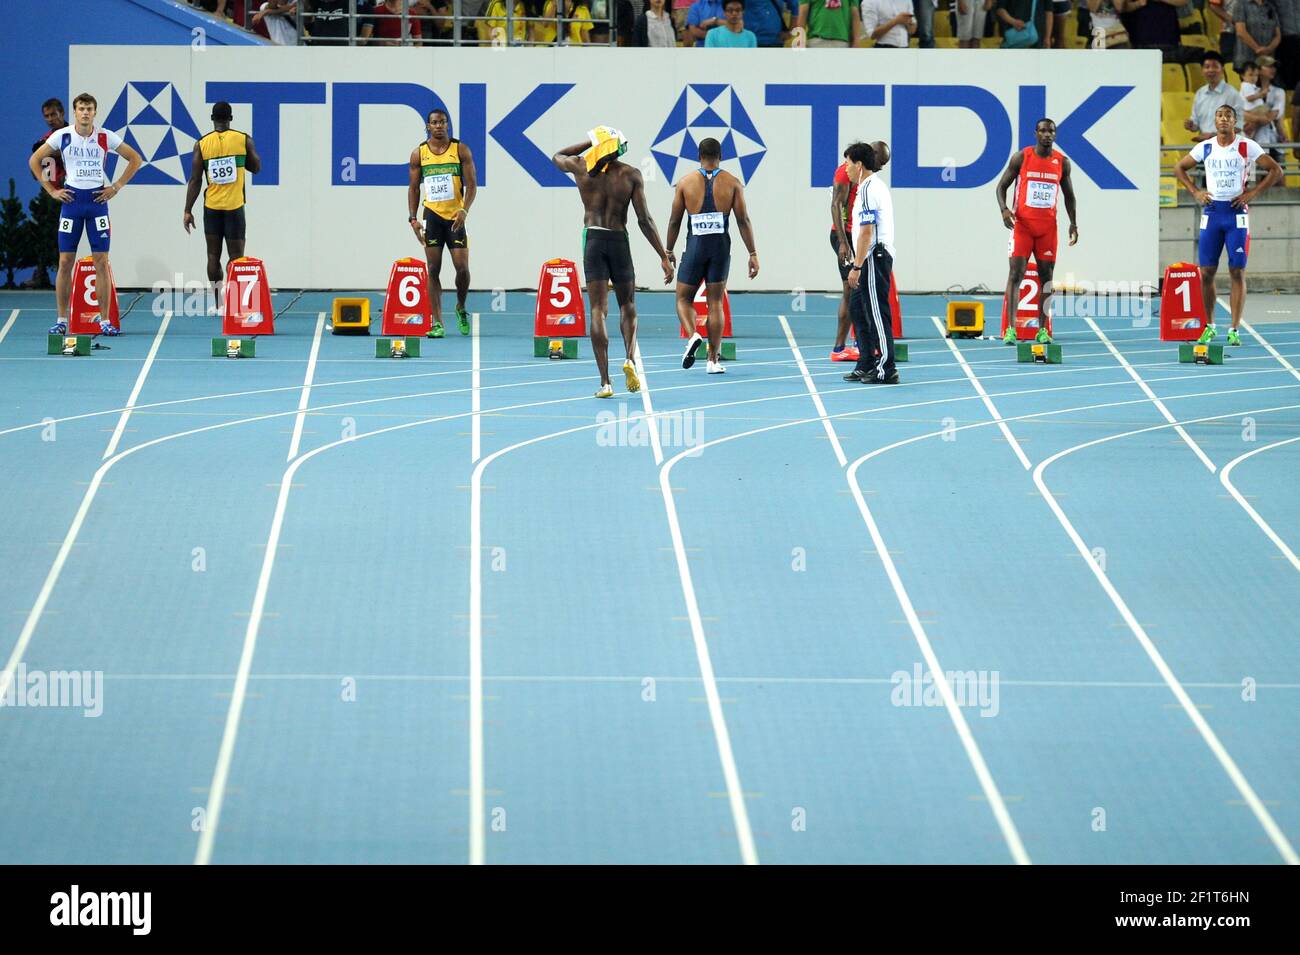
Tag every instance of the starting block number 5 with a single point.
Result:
(560, 296)
(408, 290)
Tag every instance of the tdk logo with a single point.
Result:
(709, 110)
(155, 118)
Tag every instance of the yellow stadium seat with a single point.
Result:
(1195, 76)
(990, 42)
(946, 42)
(1199, 40)
(1172, 78)
(942, 24)
(1174, 109)
(1232, 76)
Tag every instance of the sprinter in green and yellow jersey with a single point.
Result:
(443, 179)
(223, 156)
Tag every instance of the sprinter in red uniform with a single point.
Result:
(1039, 172)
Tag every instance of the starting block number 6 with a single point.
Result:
(408, 290)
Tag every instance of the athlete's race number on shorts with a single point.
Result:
(65, 225)
(437, 188)
(101, 223)
(221, 172)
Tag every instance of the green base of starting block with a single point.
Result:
(900, 351)
(726, 351)
(1201, 354)
(68, 345)
(1032, 351)
(234, 348)
(397, 348)
(544, 347)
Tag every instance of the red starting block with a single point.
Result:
(895, 313)
(407, 311)
(702, 314)
(246, 304)
(1028, 303)
(1182, 310)
(83, 317)
(560, 312)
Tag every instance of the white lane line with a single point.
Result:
(1146, 389)
(722, 737)
(648, 408)
(13, 317)
(991, 792)
(301, 417)
(984, 396)
(1270, 349)
(812, 390)
(476, 426)
(1239, 781)
(1263, 525)
(135, 391)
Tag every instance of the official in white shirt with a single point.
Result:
(873, 264)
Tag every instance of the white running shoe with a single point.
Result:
(715, 368)
(692, 346)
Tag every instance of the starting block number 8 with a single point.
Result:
(408, 290)
(89, 295)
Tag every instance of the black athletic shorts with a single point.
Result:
(438, 233)
(227, 223)
(844, 266)
(707, 258)
(607, 255)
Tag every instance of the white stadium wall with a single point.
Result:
(335, 129)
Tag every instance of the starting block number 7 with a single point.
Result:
(247, 282)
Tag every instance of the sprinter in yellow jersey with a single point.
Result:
(443, 178)
(223, 156)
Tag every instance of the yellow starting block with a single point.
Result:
(351, 316)
(965, 319)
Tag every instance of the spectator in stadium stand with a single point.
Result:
(384, 27)
(655, 25)
(702, 17)
(1216, 92)
(829, 23)
(495, 22)
(1221, 11)
(971, 15)
(327, 21)
(1258, 32)
(1108, 32)
(732, 33)
(1288, 51)
(1265, 104)
(924, 11)
(625, 21)
(681, 8)
(770, 20)
(1014, 13)
(576, 33)
(278, 18)
(1153, 25)
(891, 23)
